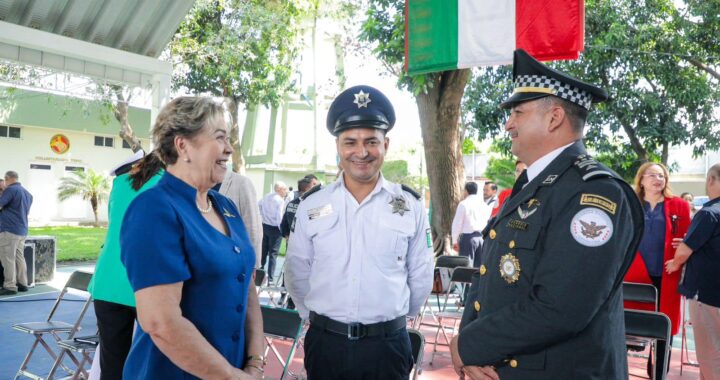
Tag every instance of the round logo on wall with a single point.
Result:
(59, 144)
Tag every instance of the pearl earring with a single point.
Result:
(186, 159)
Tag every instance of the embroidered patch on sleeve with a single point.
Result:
(428, 237)
(591, 227)
(599, 202)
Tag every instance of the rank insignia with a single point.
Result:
(227, 213)
(362, 99)
(528, 209)
(550, 179)
(398, 205)
(510, 268)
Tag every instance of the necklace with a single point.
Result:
(204, 210)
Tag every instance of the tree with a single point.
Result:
(91, 186)
(438, 97)
(242, 51)
(659, 97)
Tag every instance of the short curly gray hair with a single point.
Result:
(184, 116)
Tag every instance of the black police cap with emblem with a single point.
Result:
(360, 106)
(533, 80)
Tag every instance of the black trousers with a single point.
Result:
(330, 356)
(470, 246)
(115, 324)
(272, 237)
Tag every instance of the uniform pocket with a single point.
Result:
(391, 245)
(320, 231)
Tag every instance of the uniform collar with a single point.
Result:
(381, 184)
(538, 166)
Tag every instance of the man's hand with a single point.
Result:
(456, 247)
(456, 361)
(672, 266)
(480, 373)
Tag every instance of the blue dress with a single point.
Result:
(164, 239)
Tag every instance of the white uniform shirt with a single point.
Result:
(271, 209)
(360, 262)
(472, 215)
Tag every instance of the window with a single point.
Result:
(11, 132)
(104, 141)
(74, 168)
(39, 167)
(125, 144)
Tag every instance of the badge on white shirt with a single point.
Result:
(319, 212)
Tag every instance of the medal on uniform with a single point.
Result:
(510, 268)
(528, 209)
(398, 205)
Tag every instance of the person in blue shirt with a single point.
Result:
(15, 204)
(189, 259)
(699, 251)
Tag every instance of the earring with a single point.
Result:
(186, 159)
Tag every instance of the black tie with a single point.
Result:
(519, 183)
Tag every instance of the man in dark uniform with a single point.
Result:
(700, 252)
(546, 302)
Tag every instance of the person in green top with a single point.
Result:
(110, 287)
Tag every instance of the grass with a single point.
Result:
(74, 243)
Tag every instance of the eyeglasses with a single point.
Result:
(655, 175)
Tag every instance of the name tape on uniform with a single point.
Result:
(319, 212)
(599, 202)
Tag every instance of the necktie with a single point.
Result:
(519, 183)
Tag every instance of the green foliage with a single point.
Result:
(88, 185)
(395, 171)
(501, 170)
(238, 49)
(638, 51)
(74, 243)
(468, 146)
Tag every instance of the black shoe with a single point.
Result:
(7, 292)
(22, 288)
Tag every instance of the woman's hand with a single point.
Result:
(672, 266)
(253, 372)
(676, 242)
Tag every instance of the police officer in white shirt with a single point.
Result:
(359, 258)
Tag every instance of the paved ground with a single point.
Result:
(35, 304)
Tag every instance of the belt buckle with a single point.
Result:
(354, 331)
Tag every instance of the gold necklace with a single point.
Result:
(204, 210)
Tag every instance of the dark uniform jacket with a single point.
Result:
(547, 300)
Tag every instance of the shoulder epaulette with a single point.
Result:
(411, 191)
(311, 192)
(589, 168)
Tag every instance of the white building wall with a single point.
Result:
(33, 150)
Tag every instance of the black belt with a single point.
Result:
(355, 331)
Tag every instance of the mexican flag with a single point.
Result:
(454, 34)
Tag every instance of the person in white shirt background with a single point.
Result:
(359, 257)
(272, 207)
(470, 219)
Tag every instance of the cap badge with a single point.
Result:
(510, 268)
(362, 99)
(398, 205)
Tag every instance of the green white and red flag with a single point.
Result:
(454, 34)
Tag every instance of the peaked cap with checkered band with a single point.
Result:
(533, 80)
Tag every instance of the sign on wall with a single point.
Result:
(59, 144)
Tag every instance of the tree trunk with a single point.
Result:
(439, 111)
(238, 161)
(635, 143)
(120, 110)
(665, 153)
(94, 204)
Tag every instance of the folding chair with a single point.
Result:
(276, 290)
(641, 293)
(259, 277)
(654, 327)
(684, 351)
(282, 324)
(84, 346)
(78, 281)
(443, 263)
(461, 278)
(417, 345)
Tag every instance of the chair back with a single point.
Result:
(283, 323)
(417, 346)
(462, 274)
(259, 276)
(79, 281)
(449, 261)
(655, 326)
(642, 293)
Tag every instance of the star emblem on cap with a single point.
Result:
(362, 99)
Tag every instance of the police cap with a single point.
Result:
(360, 106)
(533, 80)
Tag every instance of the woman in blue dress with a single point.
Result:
(189, 259)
